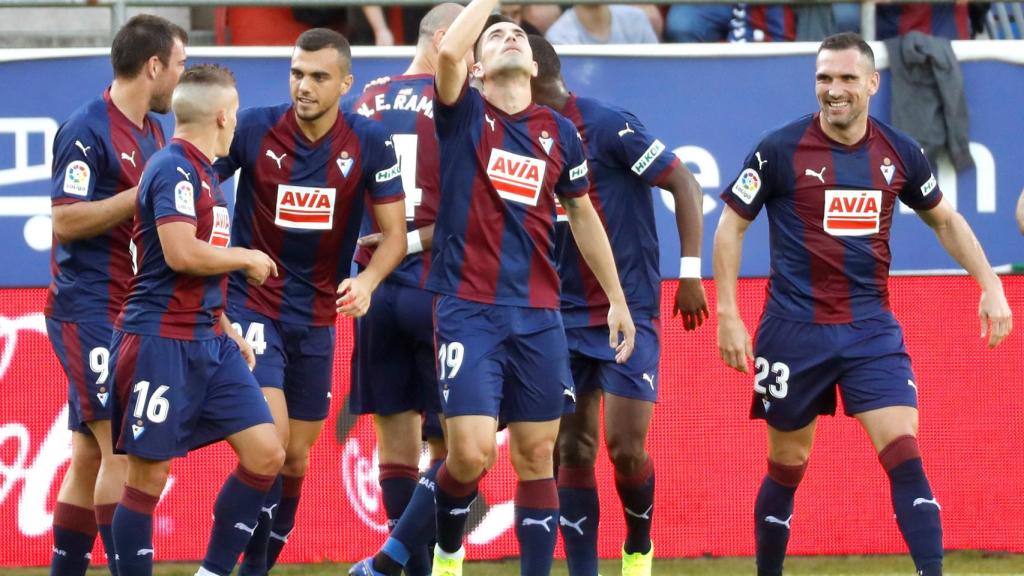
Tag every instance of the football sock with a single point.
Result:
(773, 512)
(236, 515)
(104, 518)
(637, 495)
(453, 499)
(397, 483)
(284, 521)
(254, 562)
(413, 537)
(917, 511)
(579, 518)
(74, 531)
(536, 514)
(133, 532)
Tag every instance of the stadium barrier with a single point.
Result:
(710, 458)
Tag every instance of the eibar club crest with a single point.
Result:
(888, 170)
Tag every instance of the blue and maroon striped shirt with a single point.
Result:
(405, 105)
(302, 202)
(830, 209)
(625, 161)
(178, 185)
(494, 236)
(97, 153)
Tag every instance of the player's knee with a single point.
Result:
(116, 464)
(789, 454)
(577, 449)
(534, 458)
(266, 459)
(149, 477)
(627, 457)
(86, 462)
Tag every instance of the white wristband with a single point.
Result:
(689, 267)
(414, 243)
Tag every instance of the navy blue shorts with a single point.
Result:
(173, 396)
(294, 358)
(393, 361)
(84, 352)
(594, 368)
(798, 366)
(501, 359)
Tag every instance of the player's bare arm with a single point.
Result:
(425, 236)
(186, 254)
(1020, 212)
(354, 293)
(691, 302)
(459, 40)
(958, 239)
(592, 241)
(81, 220)
(244, 347)
(734, 344)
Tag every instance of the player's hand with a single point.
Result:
(259, 268)
(995, 315)
(244, 347)
(353, 297)
(691, 303)
(734, 344)
(370, 240)
(621, 322)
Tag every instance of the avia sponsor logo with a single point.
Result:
(304, 208)
(852, 212)
(220, 236)
(516, 178)
(648, 157)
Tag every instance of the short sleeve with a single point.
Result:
(749, 191)
(76, 163)
(573, 181)
(172, 195)
(455, 118)
(640, 152)
(381, 168)
(921, 190)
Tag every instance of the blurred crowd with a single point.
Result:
(620, 24)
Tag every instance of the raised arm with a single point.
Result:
(958, 239)
(592, 241)
(734, 344)
(691, 301)
(456, 43)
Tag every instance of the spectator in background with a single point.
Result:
(281, 26)
(532, 18)
(602, 24)
(944, 20)
(743, 22)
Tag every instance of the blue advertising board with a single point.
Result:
(710, 104)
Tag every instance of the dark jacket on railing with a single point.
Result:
(928, 99)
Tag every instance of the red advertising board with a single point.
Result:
(709, 457)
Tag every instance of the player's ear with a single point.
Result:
(477, 70)
(436, 38)
(874, 82)
(222, 118)
(346, 83)
(536, 70)
(153, 66)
